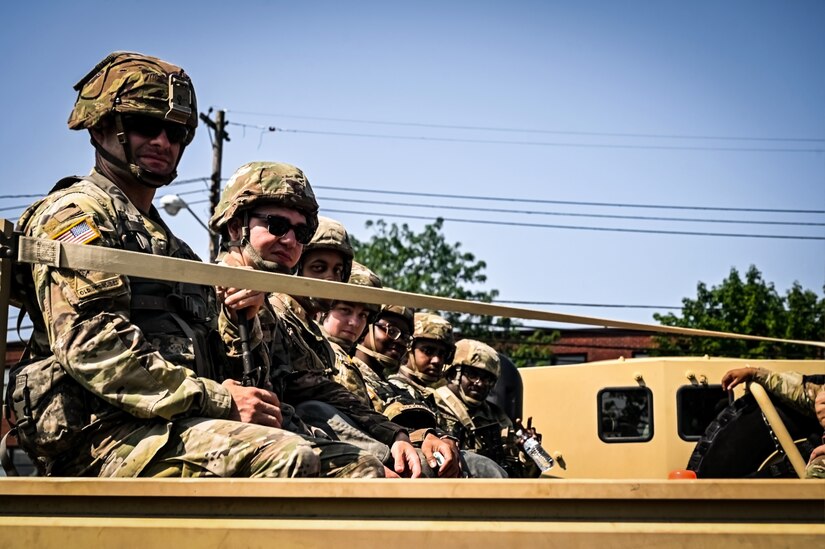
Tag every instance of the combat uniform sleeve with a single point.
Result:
(87, 316)
(791, 387)
(308, 385)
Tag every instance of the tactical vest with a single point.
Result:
(50, 407)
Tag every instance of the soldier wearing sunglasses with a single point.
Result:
(253, 235)
(125, 372)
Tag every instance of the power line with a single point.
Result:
(566, 202)
(565, 214)
(17, 208)
(580, 228)
(273, 129)
(574, 203)
(527, 130)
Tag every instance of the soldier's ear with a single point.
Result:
(234, 229)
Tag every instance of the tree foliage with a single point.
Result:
(426, 263)
(750, 306)
(534, 350)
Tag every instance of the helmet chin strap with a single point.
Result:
(424, 379)
(387, 363)
(471, 402)
(129, 168)
(258, 262)
(468, 400)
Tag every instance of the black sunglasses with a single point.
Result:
(279, 225)
(150, 127)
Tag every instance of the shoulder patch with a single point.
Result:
(80, 231)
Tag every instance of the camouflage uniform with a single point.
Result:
(481, 427)
(347, 372)
(307, 347)
(427, 326)
(348, 375)
(300, 358)
(798, 391)
(131, 347)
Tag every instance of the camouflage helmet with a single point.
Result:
(133, 83)
(432, 326)
(331, 235)
(362, 276)
(259, 183)
(475, 354)
(405, 313)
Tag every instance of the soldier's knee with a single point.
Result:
(366, 466)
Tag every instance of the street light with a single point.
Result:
(172, 204)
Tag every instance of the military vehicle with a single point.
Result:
(616, 429)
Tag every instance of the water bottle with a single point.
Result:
(532, 448)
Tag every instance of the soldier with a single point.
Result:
(385, 344)
(804, 393)
(479, 425)
(130, 388)
(266, 217)
(381, 351)
(327, 256)
(344, 326)
(431, 348)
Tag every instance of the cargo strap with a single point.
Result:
(456, 407)
(98, 258)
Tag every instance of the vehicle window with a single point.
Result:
(696, 407)
(625, 414)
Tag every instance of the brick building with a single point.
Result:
(592, 344)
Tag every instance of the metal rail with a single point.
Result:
(47, 513)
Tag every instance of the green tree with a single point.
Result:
(751, 306)
(534, 350)
(426, 263)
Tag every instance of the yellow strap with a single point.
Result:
(778, 428)
(456, 406)
(97, 258)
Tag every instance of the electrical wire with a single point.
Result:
(567, 214)
(273, 129)
(527, 130)
(567, 202)
(578, 228)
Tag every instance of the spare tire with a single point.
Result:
(739, 441)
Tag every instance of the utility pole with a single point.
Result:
(217, 126)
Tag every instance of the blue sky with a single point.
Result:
(673, 78)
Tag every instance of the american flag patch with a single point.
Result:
(82, 231)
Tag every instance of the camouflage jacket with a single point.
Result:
(416, 391)
(307, 347)
(138, 371)
(381, 392)
(485, 430)
(348, 375)
(798, 390)
(296, 371)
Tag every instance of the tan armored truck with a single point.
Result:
(616, 430)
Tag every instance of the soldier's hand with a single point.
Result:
(407, 463)
(447, 447)
(236, 299)
(734, 377)
(253, 405)
(818, 451)
(819, 407)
